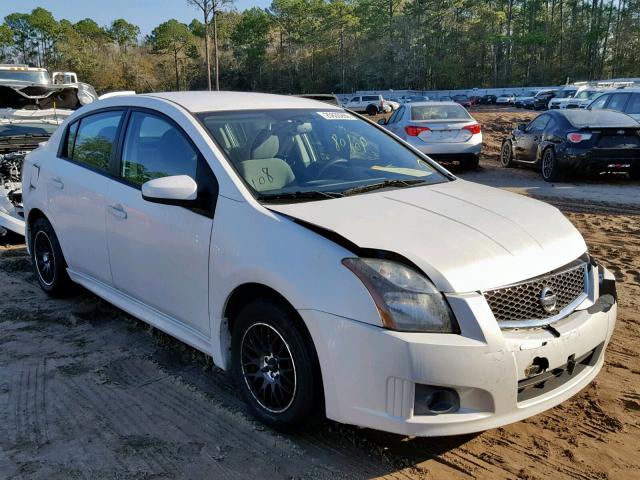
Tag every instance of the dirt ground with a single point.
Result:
(87, 392)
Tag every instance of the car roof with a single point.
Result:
(203, 101)
(433, 103)
(580, 118)
(624, 90)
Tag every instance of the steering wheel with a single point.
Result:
(331, 163)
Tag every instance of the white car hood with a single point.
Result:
(464, 236)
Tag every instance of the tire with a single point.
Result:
(473, 163)
(549, 167)
(506, 155)
(269, 349)
(372, 110)
(48, 261)
(635, 172)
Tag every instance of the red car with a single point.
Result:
(462, 100)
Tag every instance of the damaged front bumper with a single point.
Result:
(428, 384)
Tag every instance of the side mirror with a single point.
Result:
(522, 127)
(179, 190)
(382, 121)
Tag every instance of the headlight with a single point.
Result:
(406, 300)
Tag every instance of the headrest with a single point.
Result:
(266, 173)
(266, 145)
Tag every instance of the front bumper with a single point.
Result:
(370, 374)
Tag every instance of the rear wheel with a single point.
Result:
(372, 110)
(635, 172)
(506, 155)
(48, 261)
(551, 170)
(275, 366)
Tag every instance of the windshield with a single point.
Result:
(565, 94)
(292, 153)
(25, 75)
(438, 112)
(35, 129)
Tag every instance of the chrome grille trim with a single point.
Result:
(518, 305)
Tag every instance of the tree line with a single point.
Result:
(304, 46)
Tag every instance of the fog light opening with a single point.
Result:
(430, 400)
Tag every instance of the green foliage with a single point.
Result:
(302, 46)
(124, 33)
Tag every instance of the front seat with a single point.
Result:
(265, 171)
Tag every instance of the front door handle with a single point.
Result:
(118, 211)
(57, 182)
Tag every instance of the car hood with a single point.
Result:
(464, 236)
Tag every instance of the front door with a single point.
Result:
(160, 253)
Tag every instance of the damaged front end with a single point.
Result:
(11, 210)
(17, 139)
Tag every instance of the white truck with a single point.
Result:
(32, 105)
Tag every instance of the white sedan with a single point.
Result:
(443, 130)
(331, 267)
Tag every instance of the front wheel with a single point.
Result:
(275, 367)
(506, 155)
(48, 261)
(551, 170)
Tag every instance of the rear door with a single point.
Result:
(77, 187)
(159, 254)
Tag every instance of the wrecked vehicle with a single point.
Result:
(31, 108)
(331, 267)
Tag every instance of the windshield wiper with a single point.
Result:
(308, 195)
(381, 185)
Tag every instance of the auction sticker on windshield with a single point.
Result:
(336, 116)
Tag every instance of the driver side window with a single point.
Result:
(538, 124)
(600, 102)
(154, 148)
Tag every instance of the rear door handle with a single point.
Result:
(117, 211)
(57, 182)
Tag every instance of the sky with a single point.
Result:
(147, 14)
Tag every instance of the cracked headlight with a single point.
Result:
(406, 300)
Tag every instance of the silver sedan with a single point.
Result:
(443, 130)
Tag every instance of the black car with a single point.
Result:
(488, 100)
(559, 142)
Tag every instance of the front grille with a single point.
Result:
(521, 302)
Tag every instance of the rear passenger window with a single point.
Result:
(633, 107)
(154, 148)
(94, 139)
(618, 101)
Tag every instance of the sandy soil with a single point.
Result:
(88, 392)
